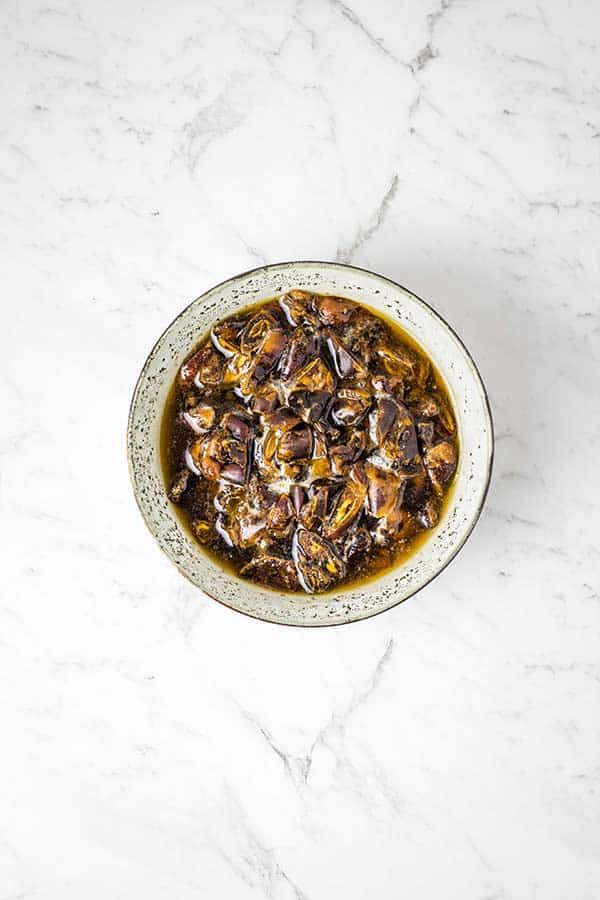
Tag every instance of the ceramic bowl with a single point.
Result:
(454, 364)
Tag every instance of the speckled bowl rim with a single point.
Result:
(486, 481)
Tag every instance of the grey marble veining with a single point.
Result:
(156, 744)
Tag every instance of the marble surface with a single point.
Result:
(155, 744)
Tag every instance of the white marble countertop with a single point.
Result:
(155, 744)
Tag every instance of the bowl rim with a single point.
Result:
(484, 396)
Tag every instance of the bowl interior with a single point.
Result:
(453, 363)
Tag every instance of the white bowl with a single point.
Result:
(440, 343)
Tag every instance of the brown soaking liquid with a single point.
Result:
(308, 443)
